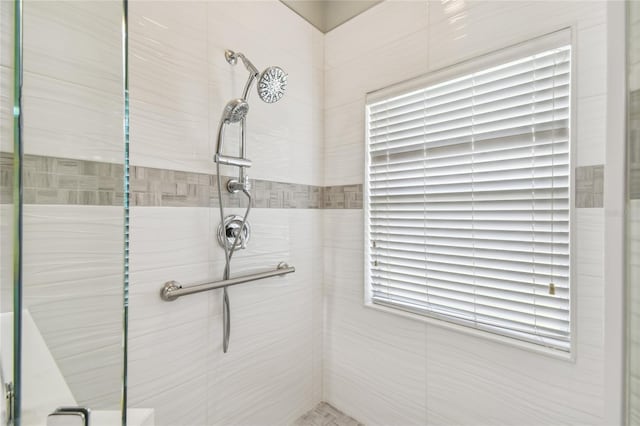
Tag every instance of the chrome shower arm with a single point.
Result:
(232, 58)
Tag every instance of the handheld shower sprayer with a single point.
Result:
(235, 111)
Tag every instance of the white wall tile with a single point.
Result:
(266, 376)
(63, 119)
(6, 109)
(633, 306)
(6, 34)
(344, 143)
(78, 42)
(73, 288)
(462, 29)
(498, 390)
(345, 124)
(589, 239)
(168, 85)
(634, 48)
(591, 57)
(168, 341)
(375, 373)
(372, 29)
(307, 255)
(344, 164)
(343, 229)
(388, 64)
(6, 260)
(485, 375)
(72, 91)
(590, 132)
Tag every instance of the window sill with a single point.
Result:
(526, 346)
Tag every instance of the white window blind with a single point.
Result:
(467, 199)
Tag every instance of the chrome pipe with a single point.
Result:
(243, 147)
(171, 290)
(232, 58)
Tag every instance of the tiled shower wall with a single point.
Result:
(180, 83)
(422, 373)
(278, 366)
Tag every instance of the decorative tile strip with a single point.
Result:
(6, 178)
(590, 186)
(52, 180)
(343, 197)
(156, 187)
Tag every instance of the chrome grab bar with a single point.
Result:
(171, 290)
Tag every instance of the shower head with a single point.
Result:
(235, 110)
(272, 84)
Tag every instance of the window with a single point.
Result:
(467, 195)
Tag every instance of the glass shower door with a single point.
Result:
(72, 209)
(633, 214)
(7, 72)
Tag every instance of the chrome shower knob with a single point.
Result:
(231, 232)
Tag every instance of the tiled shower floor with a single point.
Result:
(325, 415)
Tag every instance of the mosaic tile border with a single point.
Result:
(157, 187)
(589, 186)
(52, 180)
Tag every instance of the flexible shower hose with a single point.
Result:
(228, 253)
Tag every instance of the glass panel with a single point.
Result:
(633, 212)
(6, 205)
(73, 219)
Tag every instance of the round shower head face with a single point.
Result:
(272, 84)
(235, 110)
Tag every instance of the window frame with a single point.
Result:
(531, 46)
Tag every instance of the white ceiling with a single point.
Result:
(325, 15)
